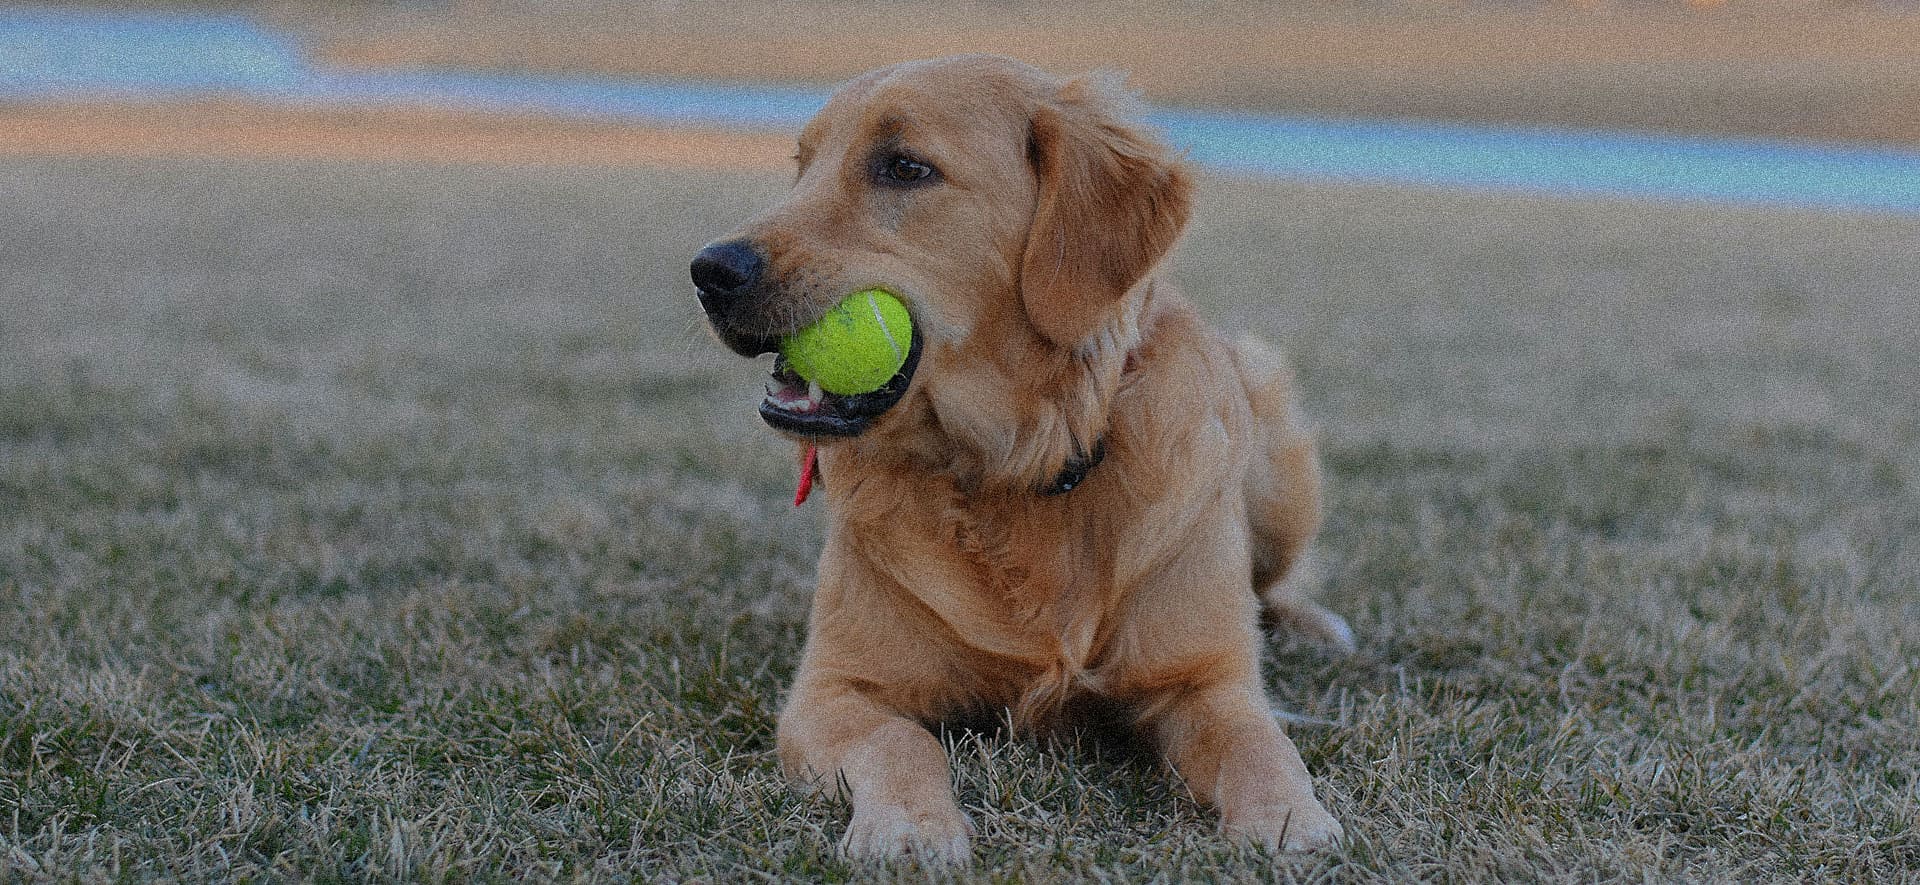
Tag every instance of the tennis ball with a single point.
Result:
(857, 347)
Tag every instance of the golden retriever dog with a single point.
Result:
(1073, 493)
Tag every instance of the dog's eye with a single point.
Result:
(907, 171)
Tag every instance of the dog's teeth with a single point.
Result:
(814, 393)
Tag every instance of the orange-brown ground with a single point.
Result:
(1806, 71)
(1822, 73)
(260, 132)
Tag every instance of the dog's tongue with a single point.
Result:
(809, 471)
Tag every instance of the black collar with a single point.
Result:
(1076, 470)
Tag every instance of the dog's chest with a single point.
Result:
(1046, 578)
(1041, 571)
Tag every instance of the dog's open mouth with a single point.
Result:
(795, 406)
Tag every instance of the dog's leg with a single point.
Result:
(1223, 740)
(835, 739)
(1186, 659)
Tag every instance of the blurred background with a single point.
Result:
(1835, 71)
(1772, 69)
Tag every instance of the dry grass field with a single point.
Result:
(397, 521)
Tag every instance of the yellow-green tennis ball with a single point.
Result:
(857, 347)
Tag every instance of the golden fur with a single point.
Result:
(949, 584)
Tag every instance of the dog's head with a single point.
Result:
(1016, 214)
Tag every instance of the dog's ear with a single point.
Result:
(1112, 201)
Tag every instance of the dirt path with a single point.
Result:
(1826, 74)
(1823, 75)
(259, 132)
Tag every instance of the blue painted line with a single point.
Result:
(82, 55)
(50, 51)
(1599, 164)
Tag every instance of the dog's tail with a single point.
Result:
(1283, 500)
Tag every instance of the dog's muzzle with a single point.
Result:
(795, 406)
(730, 279)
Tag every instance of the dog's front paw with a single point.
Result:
(1302, 827)
(935, 837)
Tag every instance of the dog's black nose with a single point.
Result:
(725, 270)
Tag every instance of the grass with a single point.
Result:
(390, 522)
